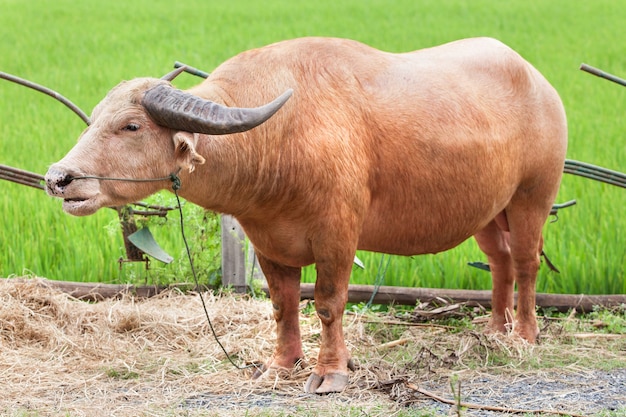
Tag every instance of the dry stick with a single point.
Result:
(408, 324)
(394, 343)
(486, 407)
(598, 336)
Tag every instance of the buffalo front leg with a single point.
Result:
(284, 287)
(331, 294)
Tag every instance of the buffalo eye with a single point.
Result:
(131, 127)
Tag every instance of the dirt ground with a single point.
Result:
(157, 357)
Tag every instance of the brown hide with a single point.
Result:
(398, 153)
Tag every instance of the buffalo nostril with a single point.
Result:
(65, 181)
(57, 181)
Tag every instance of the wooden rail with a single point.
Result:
(356, 294)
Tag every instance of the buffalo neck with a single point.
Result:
(241, 174)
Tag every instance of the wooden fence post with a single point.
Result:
(253, 264)
(233, 255)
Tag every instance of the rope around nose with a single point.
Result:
(172, 177)
(176, 184)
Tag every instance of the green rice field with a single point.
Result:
(82, 49)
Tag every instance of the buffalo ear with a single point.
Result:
(185, 150)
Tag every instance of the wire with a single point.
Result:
(172, 177)
(176, 184)
(175, 187)
(380, 277)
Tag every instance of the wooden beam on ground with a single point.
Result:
(410, 296)
(356, 294)
(93, 291)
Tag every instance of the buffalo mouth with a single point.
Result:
(80, 206)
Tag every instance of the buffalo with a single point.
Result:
(320, 147)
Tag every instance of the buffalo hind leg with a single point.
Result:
(527, 213)
(513, 243)
(494, 241)
(526, 222)
(284, 287)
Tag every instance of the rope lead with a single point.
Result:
(175, 181)
(176, 184)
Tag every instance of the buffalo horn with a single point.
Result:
(179, 110)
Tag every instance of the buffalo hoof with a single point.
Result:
(259, 371)
(515, 331)
(333, 382)
(330, 382)
(494, 328)
(528, 332)
(262, 370)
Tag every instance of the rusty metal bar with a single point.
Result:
(21, 177)
(35, 180)
(602, 74)
(47, 91)
(17, 177)
(21, 172)
(21, 181)
(596, 173)
(32, 179)
(556, 207)
(191, 70)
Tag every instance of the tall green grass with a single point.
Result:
(82, 49)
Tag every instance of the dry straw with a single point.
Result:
(127, 357)
(119, 356)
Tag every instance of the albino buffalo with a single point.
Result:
(404, 154)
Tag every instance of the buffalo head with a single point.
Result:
(142, 129)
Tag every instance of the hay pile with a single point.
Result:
(118, 356)
(126, 356)
(157, 357)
